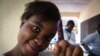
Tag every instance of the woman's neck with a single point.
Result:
(16, 52)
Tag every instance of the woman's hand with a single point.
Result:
(63, 48)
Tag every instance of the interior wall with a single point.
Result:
(90, 10)
(70, 14)
(10, 12)
(89, 26)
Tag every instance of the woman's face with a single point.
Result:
(35, 35)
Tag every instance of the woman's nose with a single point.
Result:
(39, 40)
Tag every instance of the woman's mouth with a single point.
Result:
(33, 46)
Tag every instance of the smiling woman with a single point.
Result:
(37, 28)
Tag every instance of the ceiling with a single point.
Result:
(70, 5)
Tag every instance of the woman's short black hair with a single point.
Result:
(46, 10)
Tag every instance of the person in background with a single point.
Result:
(38, 26)
(68, 34)
(93, 40)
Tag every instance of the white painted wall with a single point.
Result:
(90, 10)
(10, 12)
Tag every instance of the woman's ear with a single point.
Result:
(22, 23)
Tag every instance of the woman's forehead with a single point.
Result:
(45, 24)
(41, 19)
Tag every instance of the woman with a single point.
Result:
(38, 26)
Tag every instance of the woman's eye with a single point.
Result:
(36, 29)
